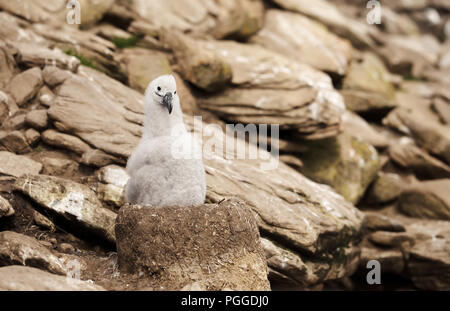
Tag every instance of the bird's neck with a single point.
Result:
(158, 122)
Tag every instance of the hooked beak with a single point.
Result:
(167, 102)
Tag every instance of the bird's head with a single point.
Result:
(163, 91)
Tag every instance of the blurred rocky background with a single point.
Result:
(364, 144)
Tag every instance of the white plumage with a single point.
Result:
(166, 169)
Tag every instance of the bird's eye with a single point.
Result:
(159, 88)
(175, 92)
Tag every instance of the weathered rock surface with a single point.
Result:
(16, 165)
(31, 279)
(19, 249)
(289, 269)
(304, 40)
(25, 85)
(419, 254)
(143, 66)
(367, 87)
(345, 163)
(73, 143)
(201, 67)
(5, 208)
(410, 55)
(386, 187)
(408, 155)
(218, 245)
(73, 202)
(415, 118)
(328, 14)
(32, 137)
(15, 141)
(272, 89)
(427, 199)
(356, 126)
(239, 18)
(37, 119)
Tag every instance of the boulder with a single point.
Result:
(201, 67)
(415, 118)
(216, 244)
(359, 33)
(353, 124)
(408, 155)
(6, 209)
(16, 165)
(409, 55)
(65, 141)
(75, 204)
(238, 18)
(367, 87)
(26, 85)
(385, 188)
(304, 40)
(19, 249)
(15, 141)
(92, 11)
(143, 66)
(427, 199)
(37, 119)
(345, 163)
(18, 278)
(32, 137)
(273, 89)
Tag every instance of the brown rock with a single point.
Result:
(37, 119)
(408, 155)
(16, 122)
(30, 279)
(327, 13)
(415, 118)
(54, 76)
(214, 244)
(19, 249)
(5, 208)
(65, 141)
(15, 165)
(304, 40)
(58, 166)
(200, 67)
(32, 136)
(386, 187)
(15, 142)
(74, 202)
(428, 199)
(379, 222)
(25, 85)
(143, 66)
(43, 221)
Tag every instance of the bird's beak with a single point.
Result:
(167, 102)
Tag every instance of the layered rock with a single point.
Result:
(19, 249)
(304, 40)
(345, 163)
(31, 279)
(428, 199)
(238, 18)
(74, 203)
